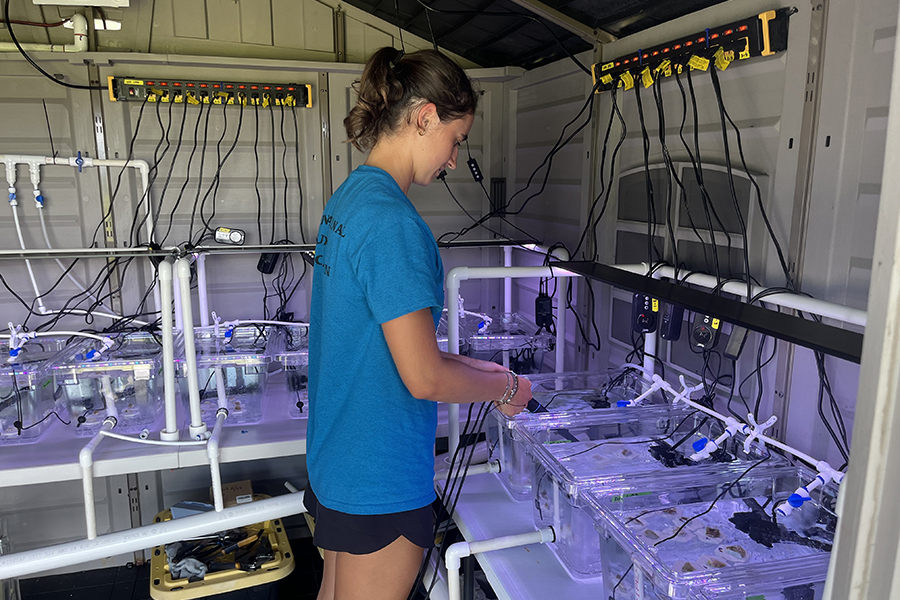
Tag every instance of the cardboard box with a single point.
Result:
(239, 492)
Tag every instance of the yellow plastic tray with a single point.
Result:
(163, 587)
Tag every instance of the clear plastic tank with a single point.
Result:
(560, 393)
(604, 450)
(237, 365)
(512, 333)
(125, 381)
(719, 531)
(27, 392)
(289, 345)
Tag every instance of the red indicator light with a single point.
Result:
(229, 86)
(703, 39)
(176, 84)
(665, 50)
(742, 28)
(163, 83)
(149, 83)
(279, 89)
(655, 52)
(242, 87)
(215, 85)
(677, 46)
(267, 88)
(254, 87)
(646, 56)
(290, 89)
(203, 85)
(689, 43)
(190, 85)
(714, 36)
(729, 31)
(626, 61)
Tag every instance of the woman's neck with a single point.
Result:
(392, 155)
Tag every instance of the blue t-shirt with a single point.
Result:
(370, 443)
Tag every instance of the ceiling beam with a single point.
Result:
(586, 33)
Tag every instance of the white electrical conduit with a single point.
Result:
(460, 550)
(156, 534)
(459, 274)
(79, 44)
(11, 160)
(806, 304)
(86, 459)
(198, 430)
(170, 433)
(488, 467)
(37, 292)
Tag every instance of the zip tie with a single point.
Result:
(757, 430)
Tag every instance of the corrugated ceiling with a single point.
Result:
(494, 33)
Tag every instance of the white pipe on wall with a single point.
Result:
(170, 433)
(454, 278)
(155, 534)
(829, 310)
(79, 43)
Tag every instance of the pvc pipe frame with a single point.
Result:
(34, 162)
(170, 433)
(460, 550)
(155, 534)
(197, 428)
(79, 44)
(459, 274)
(488, 467)
(86, 460)
(845, 314)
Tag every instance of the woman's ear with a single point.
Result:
(427, 116)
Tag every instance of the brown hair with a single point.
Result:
(392, 82)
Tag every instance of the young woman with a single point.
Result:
(375, 369)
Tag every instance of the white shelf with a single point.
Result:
(530, 572)
(55, 456)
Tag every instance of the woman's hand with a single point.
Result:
(518, 402)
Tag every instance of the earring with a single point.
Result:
(421, 132)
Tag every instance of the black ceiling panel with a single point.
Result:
(495, 33)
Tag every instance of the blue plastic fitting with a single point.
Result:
(622, 403)
(699, 444)
(39, 199)
(79, 161)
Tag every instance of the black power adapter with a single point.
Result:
(672, 318)
(705, 331)
(476, 170)
(644, 313)
(543, 312)
(267, 262)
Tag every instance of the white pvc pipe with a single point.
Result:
(5, 336)
(126, 438)
(197, 428)
(212, 451)
(79, 43)
(86, 460)
(507, 282)
(454, 278)
(37, 293)
(460, 550)
(155, 534)
(170, 433)
(828, 310)
(202, 291)
(179, 325)
(488, 467)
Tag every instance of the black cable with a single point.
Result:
(49, 131)
(737, 207)
(15, 40)
(670, 171)
(187, 176)
(162, 195)
(651, 204)
(299, 177)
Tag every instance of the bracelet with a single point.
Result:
(512, 386)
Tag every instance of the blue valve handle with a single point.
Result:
(796, 500)
(79, 161)
(699, 444)
(622, 403)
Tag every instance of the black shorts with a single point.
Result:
(365, 534)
